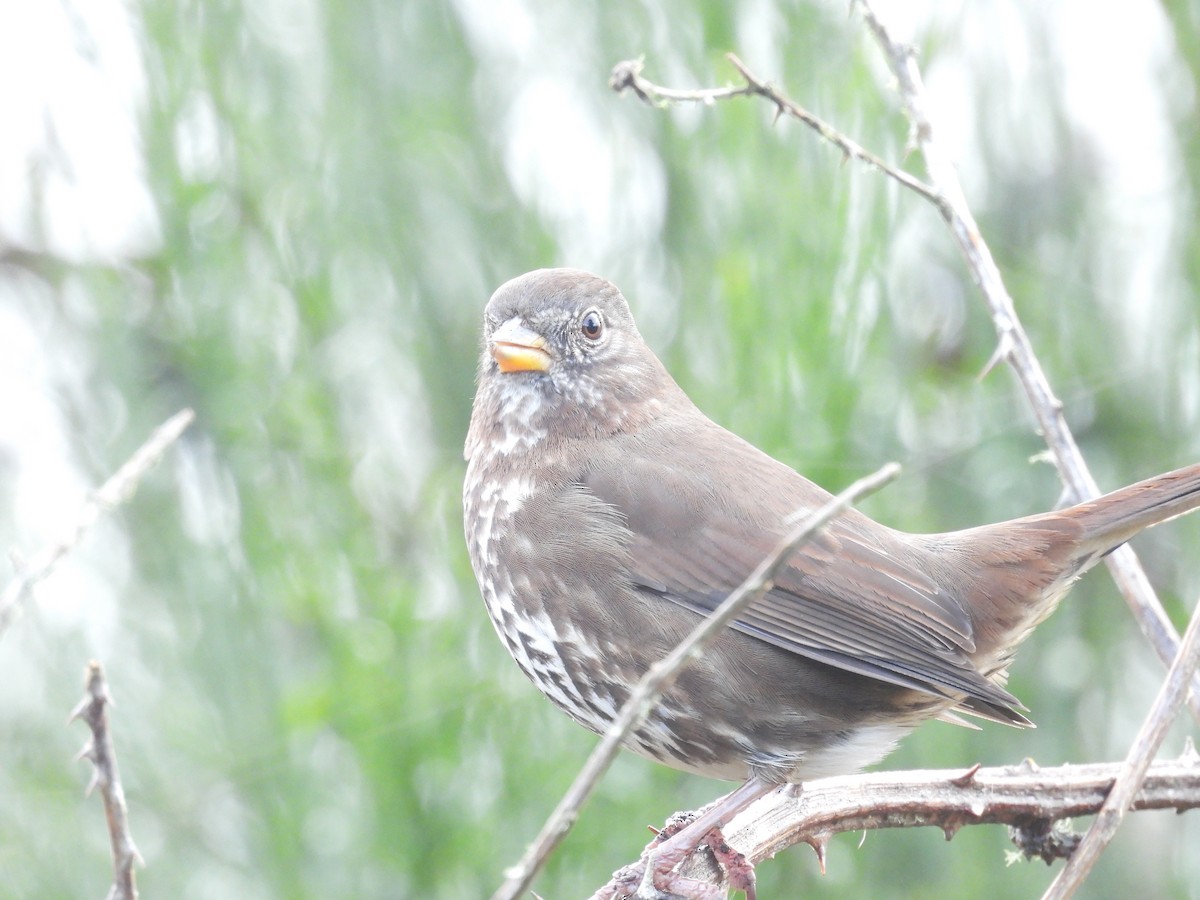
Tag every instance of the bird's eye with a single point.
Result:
(592, 325)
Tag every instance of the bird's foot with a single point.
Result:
(654, 876)
(673, 845)
(739, 871)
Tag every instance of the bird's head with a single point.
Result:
(561, 346)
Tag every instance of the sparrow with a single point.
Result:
(605, 514)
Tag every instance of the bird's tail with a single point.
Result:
(1022, 568)
(1111, 520)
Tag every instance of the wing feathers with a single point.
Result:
(858, 597)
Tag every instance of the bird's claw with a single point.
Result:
(654, 876)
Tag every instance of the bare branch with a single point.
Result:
(112, 493)
(663, 674)
(628, 75)
(93, 709)
(1133, 771)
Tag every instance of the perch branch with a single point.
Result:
(93, 709)
(1030, 800)
(627, 75)
(111, 494)
(663, 674)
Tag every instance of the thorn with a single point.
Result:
(1003, 349)
(820, 843)
(93, 783)
(966, 777)
(88, 752)
(80, 708)
(1028, 766)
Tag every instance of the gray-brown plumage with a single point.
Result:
(604, 512)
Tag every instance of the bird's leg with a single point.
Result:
(662, 860)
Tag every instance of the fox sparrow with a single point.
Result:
(605, 513)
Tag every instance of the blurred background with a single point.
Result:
(289, 215)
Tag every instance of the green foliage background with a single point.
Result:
(311, 699)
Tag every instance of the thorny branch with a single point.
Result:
(93, 709)
(627, 75)
(1032, 801)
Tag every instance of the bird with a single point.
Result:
(605, 514)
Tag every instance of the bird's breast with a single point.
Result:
(519, 538)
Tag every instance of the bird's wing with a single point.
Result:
(857, 597)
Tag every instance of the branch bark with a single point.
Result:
(93, 709)
(1028, 799)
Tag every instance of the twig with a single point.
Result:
(663, 674)
(1013, 345)
(111, 494)
(628, 75)
(1026, 798)
(93, 709)
(1133, 771)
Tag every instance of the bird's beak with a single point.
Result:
(516, 348)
